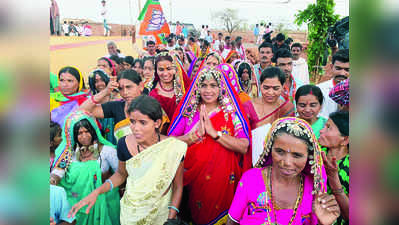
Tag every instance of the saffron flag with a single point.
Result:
(153, 21)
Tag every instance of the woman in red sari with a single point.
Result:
(168, 86)
(211, 122)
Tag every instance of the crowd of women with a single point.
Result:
(188, 138)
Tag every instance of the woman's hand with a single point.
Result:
(90, 200)
(330, 165)
(326, 208)
(207, 123)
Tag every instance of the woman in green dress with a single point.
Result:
(309, 100)
(83, 160)
(335, 136)
(152, 166)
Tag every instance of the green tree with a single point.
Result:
(319, 17)
(228, 18)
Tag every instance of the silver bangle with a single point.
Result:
(110, 183)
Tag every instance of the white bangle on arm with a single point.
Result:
(110, 183)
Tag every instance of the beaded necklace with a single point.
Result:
(164, 89)
(269, 188)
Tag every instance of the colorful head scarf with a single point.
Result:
(63, 153)
(228, 100)
(61, 105)
(297, 127)
(340, 93)
(232, 75)
(230, 54)
(193, 60)
(92, 79)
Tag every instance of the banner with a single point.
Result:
(153, 21)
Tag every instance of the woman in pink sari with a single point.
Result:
(288, 185)
(211, 122)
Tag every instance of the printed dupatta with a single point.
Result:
(63, 153)
(314, 166)
(231, 104)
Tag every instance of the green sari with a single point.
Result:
(79, 179)
(318, 126)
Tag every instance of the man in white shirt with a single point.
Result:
(299, 64)
(217, 42)
(340, 71)
(65, 28)
(107, 29)
(112, 50)
(203, 32)
(171, 43)
(240, 48)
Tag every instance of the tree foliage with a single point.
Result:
(229, 19)
(319, 17)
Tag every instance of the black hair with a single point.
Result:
(280, 37)
(129, 60)
(288, 41)
(138, 61)
(282, 53)
(205, 43)
(146, 105)
(107, 60)
(309, 89)
(341, 120)
(55, 129)
(220, 33)
(149, 58)
(131, 75)
(341, 55)
(74, 72)
(241, 69)
(296, 45)
(181, 38)
(272, 72)
(213, 54)
(191, 39)
(92, 80)
(86, 124)
(203, 26)
(239, 38)
(150, 42)
(265, 45)
(227, 37)
(116, 59)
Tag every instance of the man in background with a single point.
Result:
(299, 65)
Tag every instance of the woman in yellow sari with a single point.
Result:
(152, 166)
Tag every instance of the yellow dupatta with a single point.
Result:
(148, 186)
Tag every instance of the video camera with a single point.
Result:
(339, 34)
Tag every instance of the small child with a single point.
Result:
(55, 139)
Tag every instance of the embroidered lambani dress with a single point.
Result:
(211, 170)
